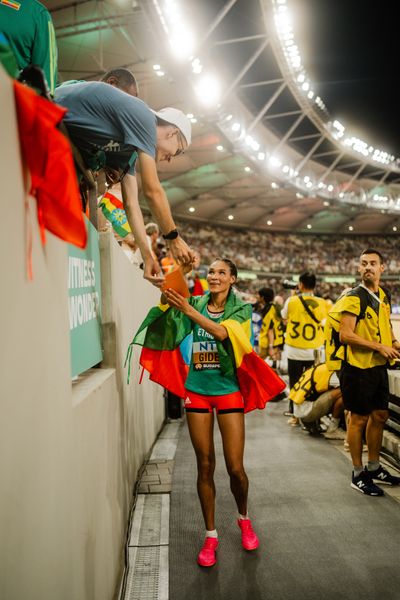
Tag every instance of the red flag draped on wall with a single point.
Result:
(49, 159)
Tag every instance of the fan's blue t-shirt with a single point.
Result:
(101, 117)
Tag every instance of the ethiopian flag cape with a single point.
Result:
(165, 335)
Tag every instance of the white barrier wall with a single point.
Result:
(69, 455)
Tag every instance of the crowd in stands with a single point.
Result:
(288, 253)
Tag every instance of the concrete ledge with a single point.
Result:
(89, 382)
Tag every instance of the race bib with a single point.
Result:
(205, 356)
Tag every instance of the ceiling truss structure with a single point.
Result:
(259, 90)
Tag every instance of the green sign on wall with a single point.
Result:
(84, 299)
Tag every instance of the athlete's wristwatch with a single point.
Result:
(172, 235)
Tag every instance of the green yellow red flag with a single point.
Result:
(113, 210)
(165, 332)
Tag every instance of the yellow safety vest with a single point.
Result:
(302, 331)
(373, 324)
(273, 320)
(312, 383)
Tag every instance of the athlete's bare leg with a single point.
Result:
(231, 426)
(201, 427)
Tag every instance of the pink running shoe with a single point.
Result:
(206, 557)
(249, 538)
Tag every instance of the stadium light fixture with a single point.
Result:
(309, 226)
(269, 222)
(197, 67)
(291, 52)
(220, 148)
(208, 90)
(394, 228)
(274, 161)
(231, 217)
(192, 209)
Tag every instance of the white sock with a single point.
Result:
(243, 516)
(213, 533)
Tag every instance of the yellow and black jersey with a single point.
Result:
(313, 382)
(271, 320)
(304, 330)
(373, 324)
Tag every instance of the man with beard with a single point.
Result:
(368, 346)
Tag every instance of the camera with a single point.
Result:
(289, 285)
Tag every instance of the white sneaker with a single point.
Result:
(335, 434)
(333, 426)
(325, 420)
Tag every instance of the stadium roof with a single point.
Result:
(267, 155)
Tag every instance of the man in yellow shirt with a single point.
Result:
(369, 345)
(304, 314)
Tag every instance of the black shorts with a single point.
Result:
(364, 390)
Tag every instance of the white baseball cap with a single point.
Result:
(176, 117)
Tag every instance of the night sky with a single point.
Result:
(350, 50)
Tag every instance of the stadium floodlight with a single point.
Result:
(197, 67)
(236, 127)
(274, 161)
(247, 169)
(182, 42)
(351, 228)
(261, 156)
(190, 115)
(160, 73)
(330, 188)
(309, 226)
(269, 222)
(394, 228)
(231, 217)
(274, 186)
(208, 90)
(192, 209)
(156, 67)
(220, 148)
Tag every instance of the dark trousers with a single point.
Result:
(295, 370)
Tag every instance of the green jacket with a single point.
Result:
(29, 29)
